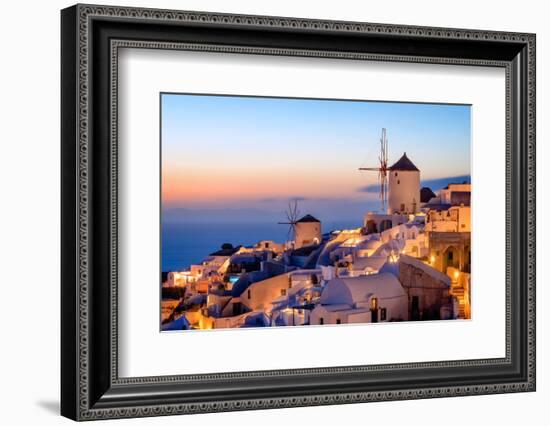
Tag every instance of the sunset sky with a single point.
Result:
(246, 153)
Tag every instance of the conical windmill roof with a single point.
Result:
(307, 218)
(404, 164)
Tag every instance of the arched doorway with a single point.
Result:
(385, 224)
(371, 227)
(451, 258)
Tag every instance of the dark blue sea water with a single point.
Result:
(186, 243)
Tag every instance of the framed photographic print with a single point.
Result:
(263, 212)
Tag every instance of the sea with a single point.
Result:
(190, 235)
(184, 243)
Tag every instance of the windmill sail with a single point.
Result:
(292, 215)
(382, 170)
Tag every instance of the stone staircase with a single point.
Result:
(458, 292)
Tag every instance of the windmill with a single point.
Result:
(292, 216)
(382, 169)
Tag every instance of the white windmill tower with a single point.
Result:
(305, 231)
(400, 182)
(404, 184)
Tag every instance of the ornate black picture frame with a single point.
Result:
(91, 387)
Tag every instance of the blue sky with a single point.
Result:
(231, 152)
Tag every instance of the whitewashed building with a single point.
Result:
(180, 279)
(368, 298)
(415, 241)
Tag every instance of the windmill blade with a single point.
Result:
(296, 212)
(385, 150)
(385, 195)
(289, 214)
(293, 211)
(381, 194)
(382, 169)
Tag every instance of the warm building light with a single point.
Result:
(374, 304)
(432, 259)
(456, 275)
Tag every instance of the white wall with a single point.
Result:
(404, 189)
(29, 217)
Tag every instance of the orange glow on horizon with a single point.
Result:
(214, 184)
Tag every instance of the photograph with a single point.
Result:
(280, 212)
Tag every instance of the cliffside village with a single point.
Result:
(410, 263)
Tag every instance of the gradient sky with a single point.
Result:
(231, 152)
